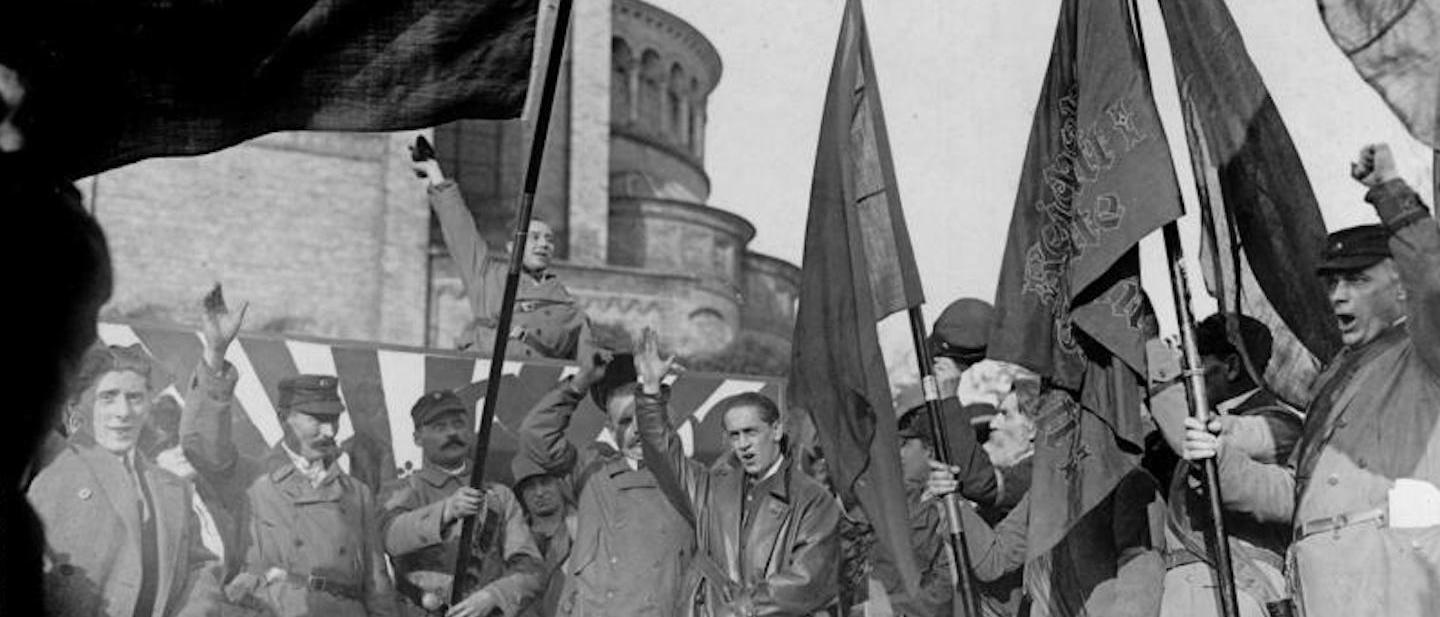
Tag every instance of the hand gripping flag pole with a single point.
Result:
(1215, 535)
(959, 552)
(512, 284)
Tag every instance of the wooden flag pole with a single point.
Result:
(1216, 537)
(512, 284)
(959, 554)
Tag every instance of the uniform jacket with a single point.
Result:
(330, 531)
(93, 534)
(782, 562)
(554, 325)
(503, 558)
(631, 547)
(1372, 420)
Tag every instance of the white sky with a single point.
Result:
(959, 81)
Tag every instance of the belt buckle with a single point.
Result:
(1338, 523)
(315, 583)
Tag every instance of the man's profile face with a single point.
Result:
(621, 411)
(446, 439)
(542, 496)
(753, 440)
(1365, 302)
(1012, 435)
(539, 247)
(312, 437)
(122, 405)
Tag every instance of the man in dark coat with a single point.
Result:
(766, 532)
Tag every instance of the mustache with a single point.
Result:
(454, 441)
(323, 442)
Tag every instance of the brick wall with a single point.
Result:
(323, 232)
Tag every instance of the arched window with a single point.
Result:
(697, 127)
(622, 66)
(652, 76)
(678, 115)
(693, 128)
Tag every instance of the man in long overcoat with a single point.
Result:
(1361, 488)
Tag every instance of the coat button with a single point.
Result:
(1361, 463)
(299, 543)
(1332, 480)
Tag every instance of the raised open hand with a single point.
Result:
(219, 327)
(649, 366)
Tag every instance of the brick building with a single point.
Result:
(329, 234)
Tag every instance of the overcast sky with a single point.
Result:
(959, 81)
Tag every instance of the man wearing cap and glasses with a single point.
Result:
(422, 520)
(312, 532)
(1362, 487)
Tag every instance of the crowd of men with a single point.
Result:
(1332, 509)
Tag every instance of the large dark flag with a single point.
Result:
(1395, 46)
(117, 82)
(857, 268)
(1097, 178)
(1262, 230)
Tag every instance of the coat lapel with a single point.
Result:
(171, 509)
(772, 522)
(730, 488)
(111, 480)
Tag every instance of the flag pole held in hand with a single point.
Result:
(512, 284)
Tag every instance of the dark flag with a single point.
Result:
(1097, 178)
(1395, 46)
(117, 82)
(1262, 226)
(857, 268)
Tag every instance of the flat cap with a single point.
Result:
(317, 395)
(434, 404)
(1355, 248)
(963, 330)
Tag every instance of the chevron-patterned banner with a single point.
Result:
(379, 383)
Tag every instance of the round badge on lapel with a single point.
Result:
(84, 494)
